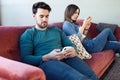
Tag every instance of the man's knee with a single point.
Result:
(73, 75)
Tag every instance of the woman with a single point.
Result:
(105, 40)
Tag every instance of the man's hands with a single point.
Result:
(69, 52)
(53, 55)
(56, 54)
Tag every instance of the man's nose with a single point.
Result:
(44, 19)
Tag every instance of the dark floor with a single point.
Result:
(113, 73)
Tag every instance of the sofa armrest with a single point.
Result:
(117, 33)
(14, 70)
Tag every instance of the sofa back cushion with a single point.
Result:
(57, 24)
(91, 33)
(117, 33)
(9, 38)
(9, 41)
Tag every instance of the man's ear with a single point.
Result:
(33, 15)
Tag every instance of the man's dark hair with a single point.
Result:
(70, 10)
(42, 5)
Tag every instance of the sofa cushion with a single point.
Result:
(14, 70)
(100, 61)
(9, 41)
(82, 53)
(101, 26)
(117, 33)
(57, 24)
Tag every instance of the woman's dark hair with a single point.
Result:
(70, 10)
(42, 5)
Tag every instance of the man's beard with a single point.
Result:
(42, 25)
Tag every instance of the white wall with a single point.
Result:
(19, 12)
(0, 12)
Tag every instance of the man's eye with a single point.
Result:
(47, 16)
(41, 16)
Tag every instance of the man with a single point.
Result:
(41, 46)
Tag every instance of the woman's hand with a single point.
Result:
(87, 23)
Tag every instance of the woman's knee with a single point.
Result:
(107, 30)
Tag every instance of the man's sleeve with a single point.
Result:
(27, 49)
(66, 41)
